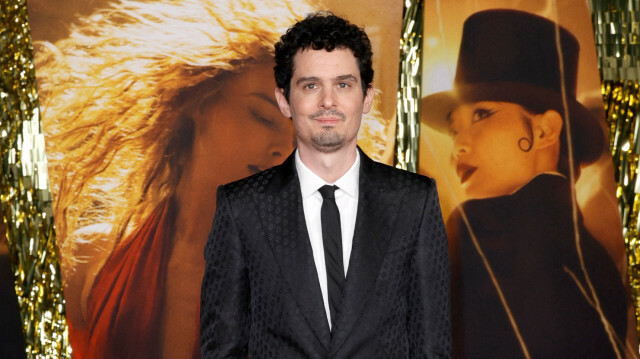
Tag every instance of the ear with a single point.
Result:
(368, 99)
(283, 103)
(547, 130)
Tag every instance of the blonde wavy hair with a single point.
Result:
(112, 95)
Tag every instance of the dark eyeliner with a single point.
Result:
(480, 114)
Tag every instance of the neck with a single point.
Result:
(547, 161)
(328, 166)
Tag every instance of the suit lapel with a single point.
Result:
(282, 216)
(377, 209)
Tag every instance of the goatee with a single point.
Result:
(328, 141)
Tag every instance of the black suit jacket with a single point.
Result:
(261, 295)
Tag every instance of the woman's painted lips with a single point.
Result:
(253, 169)
(465, 171)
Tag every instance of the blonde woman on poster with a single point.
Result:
(529, 278)
(148, 107)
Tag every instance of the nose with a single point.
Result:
(282, 143)
(461, 145)
(327, 98)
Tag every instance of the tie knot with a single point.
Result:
(327, 191)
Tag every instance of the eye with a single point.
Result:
(343, 85)
(262, 119)
(481, 114)
(310, 86)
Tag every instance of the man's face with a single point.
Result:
(326, 101)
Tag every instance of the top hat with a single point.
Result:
(513, 56)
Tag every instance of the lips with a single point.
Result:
(253, 169)
(328, 121)
(330, 117)
(465, 171)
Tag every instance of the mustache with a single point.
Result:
(327, 113)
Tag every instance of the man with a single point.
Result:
(284, 240)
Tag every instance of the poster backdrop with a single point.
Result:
(512, 128)
(148, 106)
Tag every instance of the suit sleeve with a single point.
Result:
(224, 301)
(429, 298)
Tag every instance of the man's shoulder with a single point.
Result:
(255, 183)
(250, 183)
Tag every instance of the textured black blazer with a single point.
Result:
(261, 295)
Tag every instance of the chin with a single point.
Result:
(474, 193)
(328, 147)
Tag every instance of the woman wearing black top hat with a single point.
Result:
(530, 280)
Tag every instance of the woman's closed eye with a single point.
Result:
(262, 119)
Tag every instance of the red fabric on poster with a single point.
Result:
(123, 310)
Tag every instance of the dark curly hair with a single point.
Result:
(318, 31)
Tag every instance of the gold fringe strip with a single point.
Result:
(24, 193)
(408, 99)
(616, 28)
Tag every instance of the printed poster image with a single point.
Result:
(147, 107)
(512, 129)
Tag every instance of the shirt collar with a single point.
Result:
(310, 182)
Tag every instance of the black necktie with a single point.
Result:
(332, 240)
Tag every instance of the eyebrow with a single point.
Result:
(347, 77)
(265, 97)
(339, 78)
(306, 79)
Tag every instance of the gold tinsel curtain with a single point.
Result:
(24, 193)
(617, 28)
(408, 97)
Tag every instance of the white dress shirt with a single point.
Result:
(347, 201)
